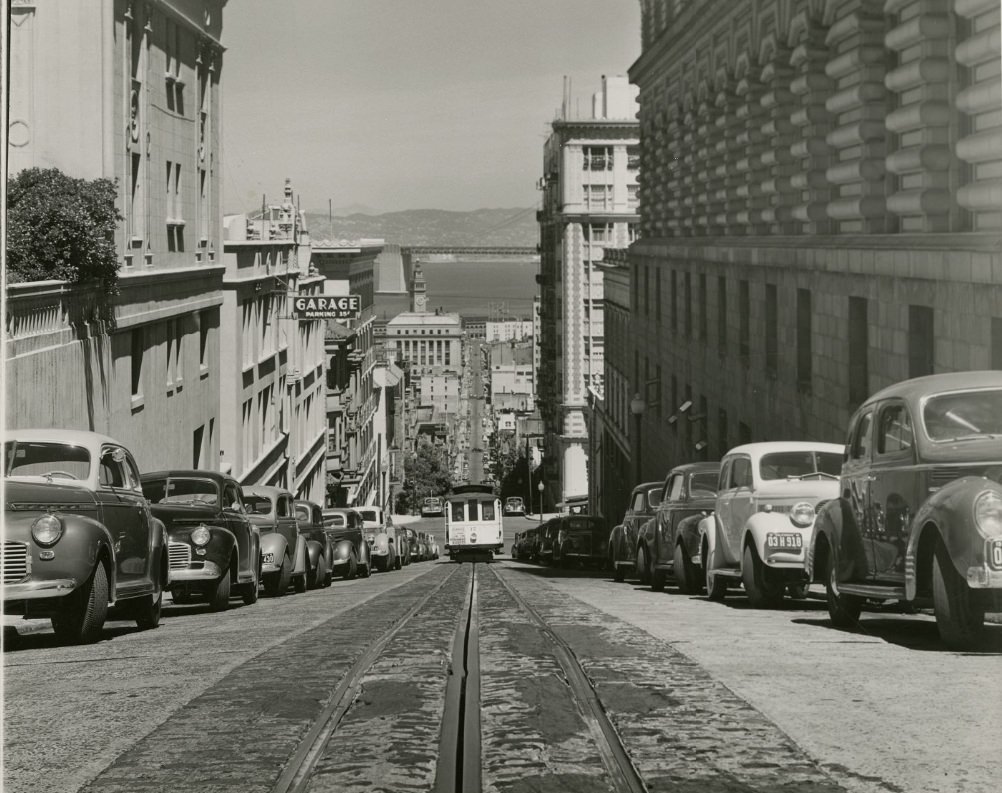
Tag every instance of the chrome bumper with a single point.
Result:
(39, 590)
(210, 572)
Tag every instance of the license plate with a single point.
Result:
(784, 542)
(995, 554)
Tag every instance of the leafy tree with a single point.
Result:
(426, 473)
(61, 228)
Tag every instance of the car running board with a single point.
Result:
(727, 572)
(873, 591)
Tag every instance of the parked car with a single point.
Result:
(284, 559)
(547, 539)
(409, 536)
(672, 538)
(514, 505)
(387, 551)
(79, 535)
(758, 535)
(424, 551)
(351, 550)
(433, 546)
(319, 548)
(626, 552)
(213, 548)
(581, 540)
(919, 517)
(516, 541)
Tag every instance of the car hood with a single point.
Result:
(263, 522)
(805, 490)
(40, 495)
(184, 513)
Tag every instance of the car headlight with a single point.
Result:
(46, 530)
(201, 536)
(802, 514)
(988, 513)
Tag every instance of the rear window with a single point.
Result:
(257, 505)
(335, 520)
(369, 514)
(303, 513)
(964, 415)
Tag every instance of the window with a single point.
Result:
(598, 158)
(598, 196)
(203, 340)
(920, 341)
(138, 350)
(721, 315)
(457, 511)
(111, 472)
(674, 488)
(487, 510)
(633, 158)
(895, 430)
(804, 357)
(741, 473)
(632, 196)
(859, 443)
(744, 322)
(771, 330)
(859, 349)
(598, 232)
(472, 511)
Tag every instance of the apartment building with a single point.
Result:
(272, 374)
(139, 105)
(589, 202)
(820, 213)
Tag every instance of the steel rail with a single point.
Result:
(296, 775)
(623, 775)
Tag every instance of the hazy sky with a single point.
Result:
(407, 104)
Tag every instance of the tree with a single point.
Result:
(426, 473)
(60, 228)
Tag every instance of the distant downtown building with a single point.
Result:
(820, 209)
(424, 339)
(589, 202)
(128, 91)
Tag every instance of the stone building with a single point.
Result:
(589, 202)
(820, 211)
(425, 340)
(138, 104)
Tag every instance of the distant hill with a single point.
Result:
(508, 227)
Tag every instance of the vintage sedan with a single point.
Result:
(433, 506)
(763, 520)
(351, 550)
(514, 505)
(433, 548)
(319, 548)
(688, 496)
(581, 540)
(626, 552)
(79, 535)
(919, 517)
(385, 545)
(284, 559)
(547, 539)
(410, 539)
(214, 549)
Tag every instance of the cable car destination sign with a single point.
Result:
(327, 307)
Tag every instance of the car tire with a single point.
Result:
(277, 584)
(716, 586)
(328, 574)
(147, 611)
(250, 591)
(84, 611)
(351, 569)
(959, 617)
(366, 570)
(658, 580)
(299, 583)
(397, 564)
(843, 610)
(321, 573)
(618, 573)
(312, 574)
(685, 575)
(643, 571)
(218, 594)
(762, 593)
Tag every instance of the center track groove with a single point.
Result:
(622, 773)
(296, 775)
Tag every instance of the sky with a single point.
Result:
(407, 104)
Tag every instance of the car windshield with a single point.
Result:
(181, 490)
(54, 460)
(799, 464)
(703, 485)
(968, 414)
(335, 520)
(369, 514)
(257, 505)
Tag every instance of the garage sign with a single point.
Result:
(327, 307)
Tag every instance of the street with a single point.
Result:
(349, 689)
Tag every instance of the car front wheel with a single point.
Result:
(218, 594)
(643, 571)
(762, 593)
(685, 576)
(84, 611)
(148, 608)
(843, 610)
(959, 617)
(716, 586)
(250, 592)
(351, 569)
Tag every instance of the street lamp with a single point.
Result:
(637, 406)
(540, 487)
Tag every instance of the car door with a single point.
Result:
(127, 516)
(895, 490)
(236, 522)
(667, 515)
(738, 507)
(855, 545)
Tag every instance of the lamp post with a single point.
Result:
(540, 487)
(637, 405)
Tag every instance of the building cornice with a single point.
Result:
(960, 241)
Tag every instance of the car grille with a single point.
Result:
(179, 555)
(15, 561)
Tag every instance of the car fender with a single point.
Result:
(616, 543)
(314, 552)
(275, 543)
(707, 529)
(300, 557)
(688, 534)
(158, 553)
(951, 510)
